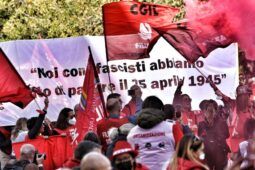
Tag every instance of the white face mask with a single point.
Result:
(72, 121)
(202, 156)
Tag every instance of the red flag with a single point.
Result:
(92, 102)
(192, 40)
(57, 149)
(128, 27)
(13, 88)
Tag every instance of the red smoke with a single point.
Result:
(233, 18)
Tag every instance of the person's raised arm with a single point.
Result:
(39, 121)
(178, 92)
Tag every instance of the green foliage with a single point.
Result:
(27, 19)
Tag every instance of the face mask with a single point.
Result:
(124, 165)
(72, 121)
(202, 156)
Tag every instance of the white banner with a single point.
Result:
(58, 67)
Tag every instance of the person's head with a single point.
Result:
(21, 124)
(190, 148)
(202, 105)
(123, 157)
(152, 102)
(113, 96)
(27, 152)
(95, 161)
(210, 110)
(66, 118)
(91, 136)
(169, 112)
(113, 105)
(242, 98)
(186, 101)
(31, 123)
(135, 92)
(84, 148)
(31, 166)
(76, 109)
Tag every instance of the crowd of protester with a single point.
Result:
(148, 134)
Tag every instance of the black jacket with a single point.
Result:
(149, 118)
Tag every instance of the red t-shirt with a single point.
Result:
(104, 125)
(189, 118)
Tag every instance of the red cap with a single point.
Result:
(123, 147)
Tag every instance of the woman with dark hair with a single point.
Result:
(189, 154)
(66, 120)
(153, 102)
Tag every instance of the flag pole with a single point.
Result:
(37, 104)
(212, 84)
(106, 52)
(99, 88)
(200, 72)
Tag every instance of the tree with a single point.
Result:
(27, 19)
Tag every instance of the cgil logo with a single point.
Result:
(144, 9)
(145, 31)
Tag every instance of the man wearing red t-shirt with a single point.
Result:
(113, 107)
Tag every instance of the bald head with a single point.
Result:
(95, 161)
(27, 152)
(27, 148)
(31, 166)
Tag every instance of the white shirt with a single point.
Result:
(156, 146)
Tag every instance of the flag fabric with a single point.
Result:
(128, 27)
(57, 149)
(13, 88)
(193, 39)
(92, 108)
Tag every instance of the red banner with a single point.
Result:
(192, 40)
(13, 88)
(128, 27)
(57, 149)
